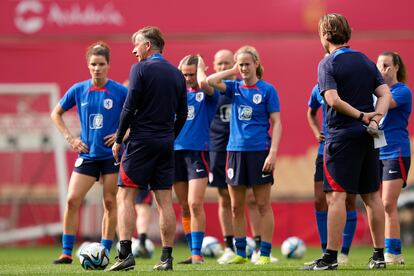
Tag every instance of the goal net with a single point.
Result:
(33, 177)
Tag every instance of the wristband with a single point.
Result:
(372, 120)
(361, 116)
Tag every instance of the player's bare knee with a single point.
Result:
(237, 211)
(263, 207)
(73, 204)
(195, 207)
(225, 203)
(109, 204)
(389, 207)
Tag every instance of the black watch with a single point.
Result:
(361, 116)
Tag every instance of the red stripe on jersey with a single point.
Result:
(98, 89)
(250, 87)
(190, 90)
(126, 181)
(334, 185)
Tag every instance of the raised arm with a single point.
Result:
(216, 80)
(201, 77)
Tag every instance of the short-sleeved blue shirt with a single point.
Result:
(395, 124)
(316, 101)
(249, 123)
(355, 77)
(98, 110)
(195, 132)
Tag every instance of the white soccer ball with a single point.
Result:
(250, 246)
(293, 248)
(149, 245)
(94, 256)
(81, 247)
(211, 247)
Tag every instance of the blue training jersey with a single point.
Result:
(195, 132)
(98, 111)
(220, 126)
(355, 78)
(316, 101)
(395, 124)
(249, 123)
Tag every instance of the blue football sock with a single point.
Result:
(265, 248)
(322, 222)
(107, 244)
(67, 244)
(196, 242)
(241, 246)
(393, 246)
(188, 238)
(349, 231)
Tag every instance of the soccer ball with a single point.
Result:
(293, 248)
(81, 247)
(250, 246)
(149, 245)
(211, 247)
(94, 256)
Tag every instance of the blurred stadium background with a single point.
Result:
(42, 49)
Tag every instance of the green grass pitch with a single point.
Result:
(38, 261)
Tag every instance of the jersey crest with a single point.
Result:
(199, 96)
(108, 103)
(257, 98)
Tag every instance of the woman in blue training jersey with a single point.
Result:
(395, 157)
(251, 152)
(191, 154)
(99, 102)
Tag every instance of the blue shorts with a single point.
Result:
(396, 168)
(217, 175)
(95, 168)
(318, 176)
(148, 164)
(244, 168)
(190, 164)
(144, 197)
(351, 166)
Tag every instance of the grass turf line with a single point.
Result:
(38, 261)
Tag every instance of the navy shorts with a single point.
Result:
(148, 164)
(352, 166)
(96, 168)
(318, 176)
(217, 175)
(144, 197)
(396, 168)
(245, 168)
(190, 164)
